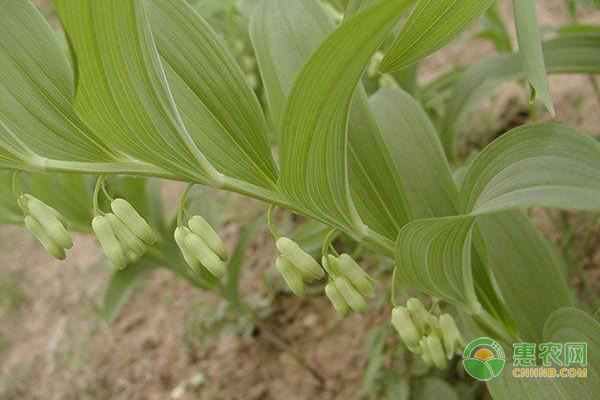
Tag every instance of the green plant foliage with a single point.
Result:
(147, 88)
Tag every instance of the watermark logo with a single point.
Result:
(483, 359)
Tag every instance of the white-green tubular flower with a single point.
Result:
(49, 218)
(291, 276)
(406, 328)
(108, 241)
(337, 299)
(345, 265)
(425, 353)
(181, 233)
(418, 313)
(202, 228)
(308, 266)
(133, 221)
(200, 250)
(126, 237)
(452, 338)
(40, 234)
(436, 351)
(354, 299)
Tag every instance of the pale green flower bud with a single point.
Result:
(53, 226)
(40, 234)
(354, 299)
(345, 265)
(418, 313)
(452, 338)
(202, 228)
(24, 200)
(127, 238)
(308, 266)
(108, 241)
(406, 328)
(337, 299)
(436, 351)
(204, 254)
(291, 276)
(133, 221)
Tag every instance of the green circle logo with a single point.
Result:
(483, 359)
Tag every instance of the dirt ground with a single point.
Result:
(174, 342)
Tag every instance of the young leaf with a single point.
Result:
(36, 94)
(313, 148)
(432, 25)
(122, 90)
(530, 48)
(217, 106)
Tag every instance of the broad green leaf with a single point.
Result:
(570, 54)
(375, 185)
(432, 25)
(417, 153)
(530, 48)
(122, 90)
(434, 256)
(36, 94)
(310, 236)
(277, 78)
(121, 285)
(284, 34)
(546, 165)
(566, 325)
(217, 106)
(518, 255)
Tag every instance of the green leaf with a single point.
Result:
(121, 285)
(36, 94)
(417, 153)
(518, 255)
(434, 256)
(122, 90)
(284, 34)
(530, 48)
(566, 325)
(545, 165)
(570, 54)
(432, 25)
(375, 185)
(313, 149)
(218, 107)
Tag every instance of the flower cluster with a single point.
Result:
(436, 339)
(296, 266)
(123, 234)
(349, 285)
(201, 246)
(47, 225)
